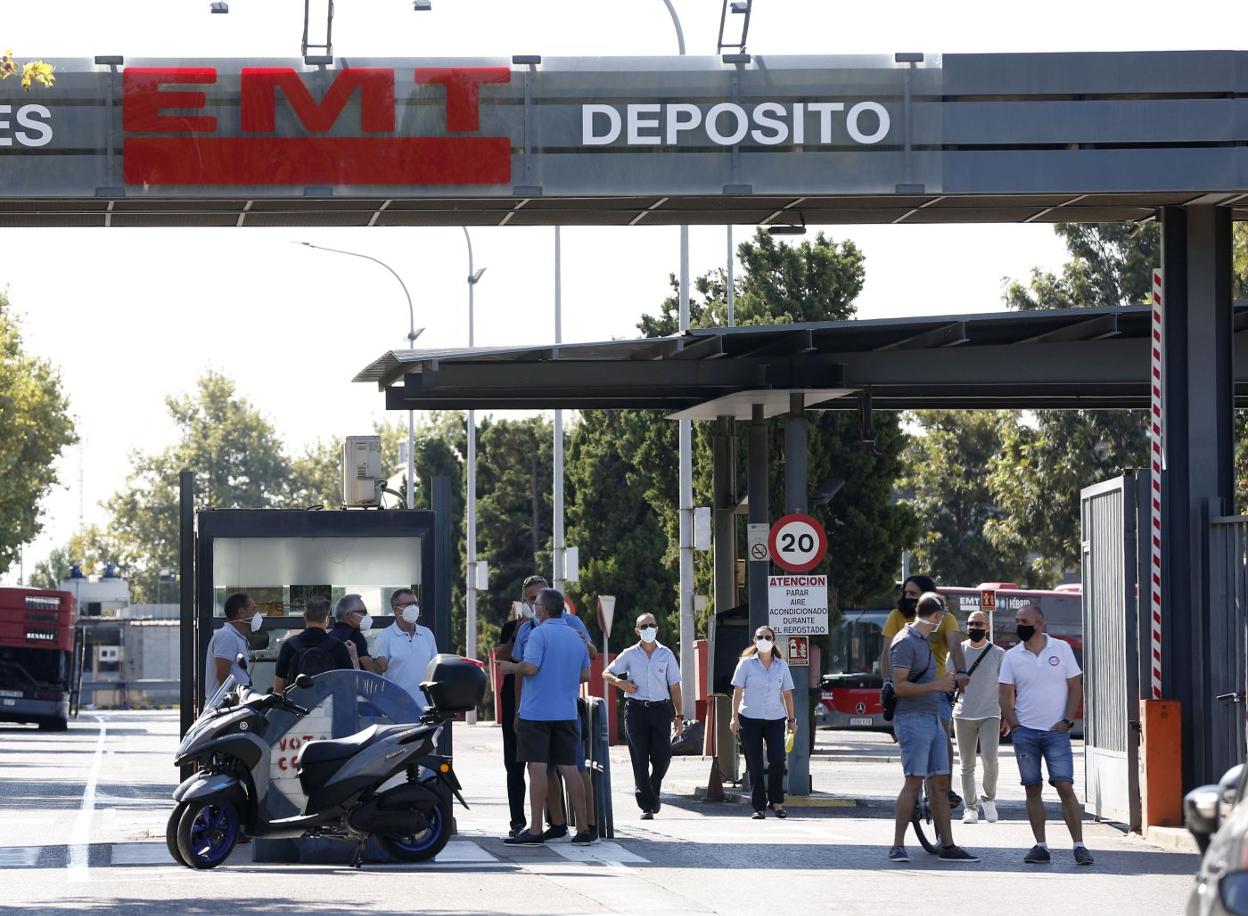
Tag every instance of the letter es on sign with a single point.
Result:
(798, 542)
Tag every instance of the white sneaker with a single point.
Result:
(969, 816)
(990, 811)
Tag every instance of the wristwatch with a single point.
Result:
(1070, 723)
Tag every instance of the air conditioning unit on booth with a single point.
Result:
(361, 470)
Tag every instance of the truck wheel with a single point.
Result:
(207, 832)
(421, 847)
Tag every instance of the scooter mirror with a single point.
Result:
(303, 681)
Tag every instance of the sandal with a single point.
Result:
(779, 811)
(758, 816)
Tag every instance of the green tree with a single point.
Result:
(948, 476)
(630, 459)
(238, 462)
(34, 418)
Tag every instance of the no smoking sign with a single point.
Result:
(798, 543)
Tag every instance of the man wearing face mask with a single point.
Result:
(924, 750)
(510, 649)
(229, 642)
(1041, 688)
(977, 719)
(649, 675)
(352, 622)
(405, 646)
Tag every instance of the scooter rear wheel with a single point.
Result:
(422, 846)
(207, 833)
(171, 832)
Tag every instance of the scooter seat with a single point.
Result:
(325, 751)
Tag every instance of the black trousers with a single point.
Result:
(648, 730)
(753, 733)
(515, 766)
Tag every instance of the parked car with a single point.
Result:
(1217, 817)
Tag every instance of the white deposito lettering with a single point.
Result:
(33, 125)
(727, 123)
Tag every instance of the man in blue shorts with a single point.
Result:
(1041, 687)
(920, 732)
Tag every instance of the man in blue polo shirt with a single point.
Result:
(555, 665)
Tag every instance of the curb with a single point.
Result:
(1176, 839)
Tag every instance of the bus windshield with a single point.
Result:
(854, 645)
(33, 669)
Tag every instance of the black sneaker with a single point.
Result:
(583, 839)
(657, 804)
(1038, 856)
(956, 854)
(557, 832)
(516, 831)
(1082, 856)
(524, 838)
(955, 801)
(647, 815)
(898, 854)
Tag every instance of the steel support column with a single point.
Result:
(725, 542)
(796, 490)
(757, 476)
(1199, 453)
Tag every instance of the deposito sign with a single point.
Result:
(798, 605)
(798, 543)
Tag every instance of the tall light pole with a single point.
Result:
(470, 643)
(685, 502)
(558, 563)
(412, 334)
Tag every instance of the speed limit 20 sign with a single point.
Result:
(798, 543)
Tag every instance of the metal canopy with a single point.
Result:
(1075, 358)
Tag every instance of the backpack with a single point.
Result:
(312, 661)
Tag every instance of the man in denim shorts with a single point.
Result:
(924, 743)
(1041, 688)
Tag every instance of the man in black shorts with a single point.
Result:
(313, 651)
(555, 665)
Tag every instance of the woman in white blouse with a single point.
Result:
(762, 704)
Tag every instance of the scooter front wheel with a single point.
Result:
(171, 832)
(207, 833)
(420, 847)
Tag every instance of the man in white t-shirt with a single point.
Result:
(1041, 688)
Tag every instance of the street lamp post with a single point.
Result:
(470, 644)
(685, 461)
(412, 334)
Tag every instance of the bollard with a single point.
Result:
(1161, 764)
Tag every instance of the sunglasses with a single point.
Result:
(760, 638)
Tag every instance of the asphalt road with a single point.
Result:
(83, 817)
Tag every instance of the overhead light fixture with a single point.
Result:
(789, 228)
(476, 275)
(422, 6)
(219, 6)
(740, 6)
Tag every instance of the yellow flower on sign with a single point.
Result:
(34, 71)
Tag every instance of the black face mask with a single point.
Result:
(976, 635)
(1025, 632)
(907, 606)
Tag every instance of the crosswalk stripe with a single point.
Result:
(19, 856)
(141, 854)
(606, 853)
(464, 851)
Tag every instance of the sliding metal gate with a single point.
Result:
(1110, 564)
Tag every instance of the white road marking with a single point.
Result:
(463, 851)
(19, 856)
(606, 853)
(141, 854)
(80, 835)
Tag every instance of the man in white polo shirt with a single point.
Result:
(406, 646)
(1041, 688)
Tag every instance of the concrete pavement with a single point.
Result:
(84, 817)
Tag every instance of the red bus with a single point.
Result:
(852, 681)
(36, 656)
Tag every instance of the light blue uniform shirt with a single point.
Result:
(526, 628)
(762, 687)
(653, 674)
(559, 654)
(226, 642)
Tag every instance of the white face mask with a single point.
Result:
(528, 611)
(257, 621)
(366, 623)
(411, 613)
(649, 634)
(764, 645)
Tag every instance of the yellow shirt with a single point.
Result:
(938, 641)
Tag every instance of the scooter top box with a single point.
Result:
(453, 683)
